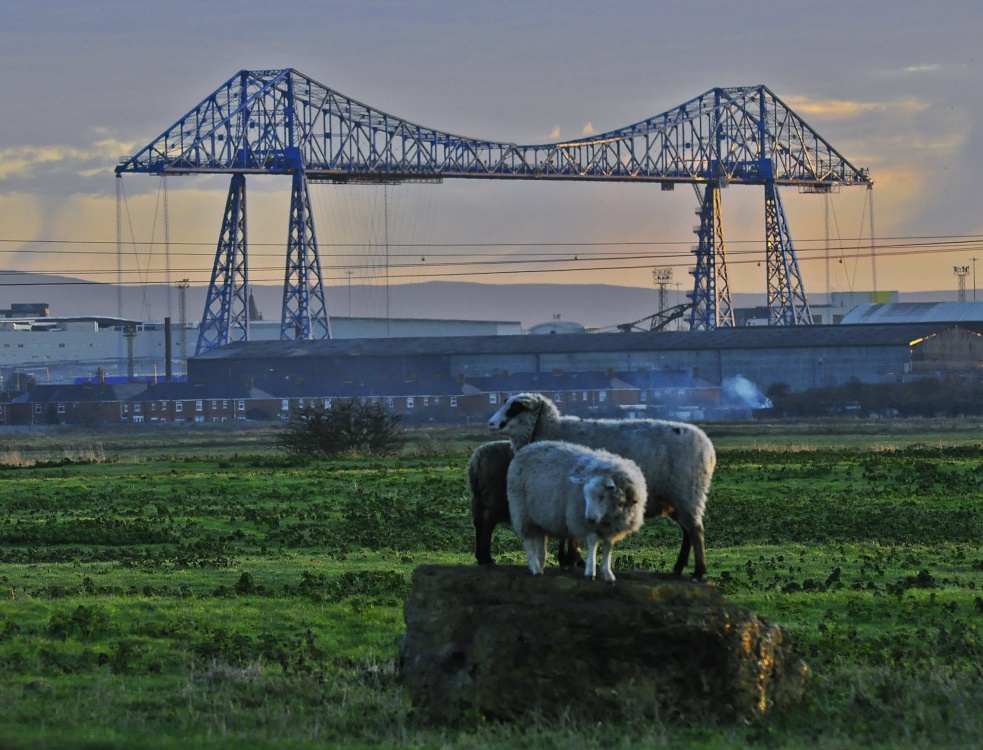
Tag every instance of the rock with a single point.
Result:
(499, 642)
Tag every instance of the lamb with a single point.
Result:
(562, 489)
(487, 470)
(676, 458)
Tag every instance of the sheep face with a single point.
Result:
(604, 498)
(512, 409)
(610, 511)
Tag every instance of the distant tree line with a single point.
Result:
(925, 397)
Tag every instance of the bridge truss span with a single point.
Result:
(283, 122)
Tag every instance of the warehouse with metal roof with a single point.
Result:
(800, 357)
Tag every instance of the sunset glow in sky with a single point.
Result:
(895, 87)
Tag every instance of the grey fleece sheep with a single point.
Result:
(562, 489)
(487, 470)
(676, 458)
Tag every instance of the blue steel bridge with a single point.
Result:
(282, 122)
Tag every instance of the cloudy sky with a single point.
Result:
(897, 87)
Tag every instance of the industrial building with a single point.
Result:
(51, 350)
(677, 374)
(800, 357)
(413, 371)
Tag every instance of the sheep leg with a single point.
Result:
(684, 549)
(541, 553)
(532, 554)
(692, 538)
(568, 553)
(483, 529)
(591, 567)
(699, 552)
(606, 547)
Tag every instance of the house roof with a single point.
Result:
(968, 313)
(66, 392)
(190, 391)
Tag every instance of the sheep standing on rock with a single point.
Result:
(561, 489)
(676, 458)
(487, 471)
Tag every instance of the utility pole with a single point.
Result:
(974, 278)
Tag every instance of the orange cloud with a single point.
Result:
(838, 109)
(21, 160)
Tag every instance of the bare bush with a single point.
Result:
(347, 426)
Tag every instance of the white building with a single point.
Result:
(59, 350)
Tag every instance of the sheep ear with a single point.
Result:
(527, 401)
(578, 474)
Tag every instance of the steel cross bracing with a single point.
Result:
(226, 317)
(787, 303)
(278, 121)
(282, 122)
(711, 290)
(305, 315)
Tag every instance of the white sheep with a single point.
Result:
(562, 489)
(487, 469)
(676, 458)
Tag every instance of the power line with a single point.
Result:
(445, 265)
(431, 270)
(907, 239)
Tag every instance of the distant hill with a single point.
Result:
(593, 305)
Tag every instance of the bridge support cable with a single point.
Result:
(119, 259)
(305, 314)
(226, 316)
(787, 304)
(711, 290)
(873, 246)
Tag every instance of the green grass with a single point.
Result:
(214, 595)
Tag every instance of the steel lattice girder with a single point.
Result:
(787, 304)
(226, 316)
(711, 289)
(278, 121)
(304, 314)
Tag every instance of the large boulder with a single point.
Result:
(499, 642)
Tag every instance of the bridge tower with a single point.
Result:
(711, 290)
(305, 314)
(226, 317)
(787, 305)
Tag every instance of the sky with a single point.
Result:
(896, 87)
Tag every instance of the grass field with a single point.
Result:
(190, 588)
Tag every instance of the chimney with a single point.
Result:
(168, 370)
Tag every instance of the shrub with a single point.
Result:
(348, 426)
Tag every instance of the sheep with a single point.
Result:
(562, 489)
(676, 458)
(486, 472)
